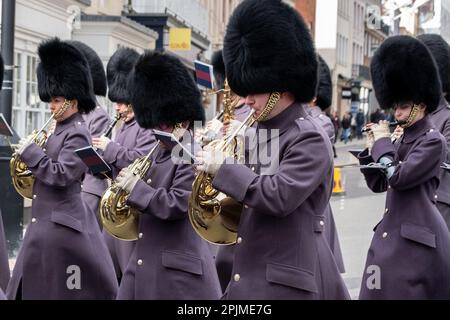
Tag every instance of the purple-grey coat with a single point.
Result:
(441, 119)
(282, 252)
(169, 261)
(408, 257)
(131, 142)
(97, 121)
(62, 243)
(330, 229)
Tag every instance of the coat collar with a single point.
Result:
(443, 104)
(314, 111)
(75, 119)
(283, 120)
(418, 129)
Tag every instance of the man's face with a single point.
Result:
(123, 109)
(257, 102)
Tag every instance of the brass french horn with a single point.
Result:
(118, 218)
(22, 177)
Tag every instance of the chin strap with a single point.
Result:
(412, 115)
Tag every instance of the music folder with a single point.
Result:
(183, 150)
(93, 160)
(5, 129)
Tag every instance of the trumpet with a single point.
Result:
(391, 124)
(22, 177)
(119, 219)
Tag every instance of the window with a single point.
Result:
(29, 112)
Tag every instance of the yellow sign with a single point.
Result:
(180, 39)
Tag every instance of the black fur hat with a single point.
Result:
(96, 65)
(163, 91)
(404, 70)
(324, 95)
(440, 50)
(64, 71)
(218, 68)
(268, 48)
(118, 69)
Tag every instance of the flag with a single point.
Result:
(180, 39)
(204, 74)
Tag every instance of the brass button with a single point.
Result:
(237, 277)
(386, 210)
(34, 196)
(435, 196)
(385, 234)
(322, 223)
(149, 181)
(140, 262)
(45, 150)
(239, 240)
(140, 235)
(253, 169)
(33, 220)
(246, 206)
(302, 118)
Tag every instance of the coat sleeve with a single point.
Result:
(121, 157)
(376, 179)
(63, 172)
(422, 163)
(162, 203)
(99, 124)
(301, 171)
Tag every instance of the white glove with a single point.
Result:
(23, 144)
(126, 180)
(101, 143)
(214, 125)
(398, 132)
(209, 160)
(380, 130)
(234, 125)
(370, 141)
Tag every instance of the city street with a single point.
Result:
(356, 213)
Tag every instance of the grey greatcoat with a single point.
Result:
(410, 246)
(282, 252)
(63, 255)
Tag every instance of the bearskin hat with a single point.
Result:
(324, 95)
(404, 70)
(64, 71)
(440, 50)
(218, 68)
(118, 69)
(96, 65)
(163, 91)
(269, 48)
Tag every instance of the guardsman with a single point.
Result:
(169, 260)
(408, 256)
(63, 255)
(320, 103)
(97, 122)
(131, 141)
(281, 250)
(441, 116)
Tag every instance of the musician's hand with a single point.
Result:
(398, 132)
(234, 125)
(209, 160)
(380, 130)
(101, 143)
(370, 141)
(23, 144)
(214, 125)
(126, 180)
